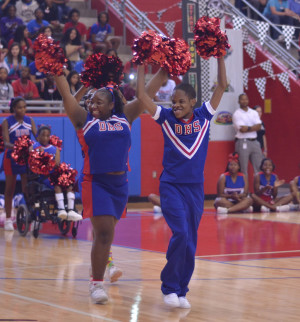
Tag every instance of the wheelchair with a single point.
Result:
(40, 207)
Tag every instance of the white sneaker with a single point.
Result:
(8, 225)
(157, 210)
(73, 216)
(222, 210)
(62, 214)
(171, 300)
(264, 209)
(283, 208)
(249, 210)
(97, 293)
(114, 273)
(184, 303)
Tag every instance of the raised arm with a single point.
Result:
(80, 93)
(222, 84)
(144, 100)
(75, 112)
(133, 109)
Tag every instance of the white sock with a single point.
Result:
(60, 200)
(71, 199)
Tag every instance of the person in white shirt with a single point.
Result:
(165, 92)
(247, 122)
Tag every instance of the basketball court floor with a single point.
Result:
(247, 269)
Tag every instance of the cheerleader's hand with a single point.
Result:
(278, 183)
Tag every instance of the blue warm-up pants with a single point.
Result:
(182, 207)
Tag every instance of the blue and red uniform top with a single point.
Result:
(17, 129)
(234, 187)
(51, 149)
(185, 144)
(105, 144)
(264, 182)
(298, 183)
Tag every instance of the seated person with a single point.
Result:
(24, 87)
(36, 24)
(9, 23)
(73, 79)
(232, 189)
(25, 9)
(15, 61)
(266, 185)
(295, 192)
(50, 12)
(73, 22)
(100, 32)
(165, 92)
(37, 77)
(43, 139)
(6, 90)
(79, 66)
(277, 12)
(63, 10)
(50, 92)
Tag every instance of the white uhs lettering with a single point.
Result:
(22, 132)
(188, 128)
(106, 126)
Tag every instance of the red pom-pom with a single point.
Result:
(1, 140)
(41, 162)
(56, 141)
(178, 58)
(210, 40)
(101, 70)
(21, 150)
(145, 48)
(49, 56)
(63, 176)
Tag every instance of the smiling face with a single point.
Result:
(243, 101)
(101, 105)
(267, 167)
(73, 34)
(182, 105)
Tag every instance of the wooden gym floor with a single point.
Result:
(247, 269)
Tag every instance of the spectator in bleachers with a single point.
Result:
(15, 61)
(72, 45)
(277, 12)
(9, 24)
(79, 66)
(100, 32)
(36, 24)
(73, 22)
(74, 81)
(63, 10)
(6, 90)
(50, 11)
(21, 37)
(24, 87)
(26, 9)
(37, 77)
(50, 92)
(3, 53)
(4, 5)
(165, 92)
(47, 31)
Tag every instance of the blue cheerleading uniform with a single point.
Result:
(105, 146)
(181, 190)
(51, 149)
(267, 195)
(16, 129)
(234, 187)
(298, 183)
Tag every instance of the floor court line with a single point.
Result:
(29, 299)
(258, 253)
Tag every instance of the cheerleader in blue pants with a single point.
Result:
(186, 134)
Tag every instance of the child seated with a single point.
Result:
(266, 185)
(295, 192)
(232, 188)
(43, 139)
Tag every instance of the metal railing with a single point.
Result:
(273, 46)
(37, 106)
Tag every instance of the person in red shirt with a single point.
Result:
(73, 22)
(24, 87)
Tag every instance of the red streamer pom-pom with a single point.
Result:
(63, 176)
(41, 162)
(178, 58)
(146, 48)
(21, 150)
(101, 70)
(49, 56)
(56, 141)
(1, 140)
(210, 40)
